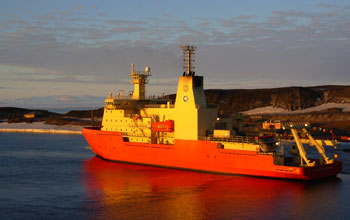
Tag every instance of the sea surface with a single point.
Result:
(45, 176)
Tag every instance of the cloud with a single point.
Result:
(228, 23)
(74, 47)
(15, 22)
(125, 22)
(54, 102)
(46, 18)
(322, 5)
(129, 29)
(55, 79)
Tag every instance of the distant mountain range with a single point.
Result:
(56, 103)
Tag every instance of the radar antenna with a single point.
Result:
(188, 59)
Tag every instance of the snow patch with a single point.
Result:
(266, 110)
(275, 110)
(39, 125)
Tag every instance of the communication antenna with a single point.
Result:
(188, 59)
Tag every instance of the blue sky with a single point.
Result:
(64, 53)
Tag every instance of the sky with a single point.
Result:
(73, 53)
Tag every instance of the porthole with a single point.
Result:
(185, 98)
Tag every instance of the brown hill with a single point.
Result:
(15, 113)
(85, 113)
(290, 98)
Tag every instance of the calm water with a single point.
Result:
(45, 176)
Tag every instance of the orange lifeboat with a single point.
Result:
(166, 126)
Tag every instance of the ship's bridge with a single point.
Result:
(132, 114)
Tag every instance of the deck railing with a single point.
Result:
(235, 139)
(159, 106)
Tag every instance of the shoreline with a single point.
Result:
(43, 131)
(40, 127)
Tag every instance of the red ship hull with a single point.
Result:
(200, 156)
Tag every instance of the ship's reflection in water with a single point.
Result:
(125, 191)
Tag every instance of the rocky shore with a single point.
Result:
(43, 121)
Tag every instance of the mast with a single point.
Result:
(139, 79)
(188, 58)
